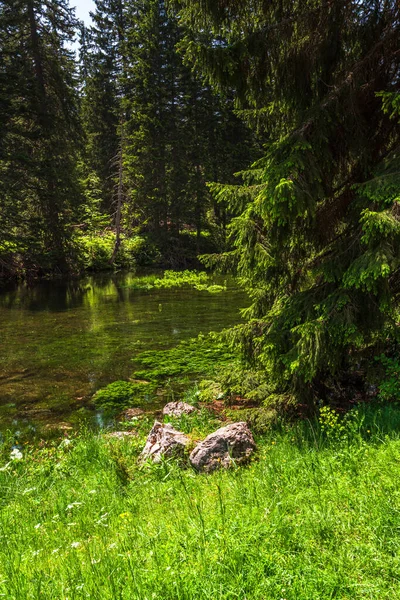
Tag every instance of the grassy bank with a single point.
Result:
(315, 515)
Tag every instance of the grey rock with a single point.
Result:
(164, 441)
(225, 447)
(176, 409)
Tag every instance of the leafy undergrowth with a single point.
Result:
(95, 251)
(315, 515)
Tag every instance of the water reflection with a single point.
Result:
(60, 341)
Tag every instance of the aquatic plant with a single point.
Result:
(198, 280)
(200, 356)
(123, 394)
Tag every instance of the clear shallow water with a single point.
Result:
(61, 341)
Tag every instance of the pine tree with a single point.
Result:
(41, 130)
(176, 126)
(151, 125)
(317, 228)
(150, 109)
(102, 95)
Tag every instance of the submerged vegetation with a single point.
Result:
(201, 356)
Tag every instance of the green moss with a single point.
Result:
(123, 394)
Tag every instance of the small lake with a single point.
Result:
(61, 341)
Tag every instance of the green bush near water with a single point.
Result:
(95, 251)
(315, 515)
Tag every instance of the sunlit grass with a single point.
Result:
(314, 516)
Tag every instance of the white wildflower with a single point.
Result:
(75, 544)
(73, 505)
(16, 454)
(100, 521)
(38, 526)
(65, 443)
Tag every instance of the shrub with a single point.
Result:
(95, 251)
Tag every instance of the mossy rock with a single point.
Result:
(123, 394)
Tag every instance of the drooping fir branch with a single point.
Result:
(316, 242)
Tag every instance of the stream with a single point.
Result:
(61, 341)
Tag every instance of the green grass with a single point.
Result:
(315, 516)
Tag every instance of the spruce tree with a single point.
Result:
(150, 41)
(152, 127)
(101, 73)
(177, 128)
(317, 231)
(40, 133)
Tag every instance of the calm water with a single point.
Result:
(60, 342)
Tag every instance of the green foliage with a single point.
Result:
(389, 386)
(176, 279)
(210, 390)
(123, 394)
(197, 425)
(211, 289)
(40, 193)
(316, 227)
(339, 428)
(96, 250)
(181, 278)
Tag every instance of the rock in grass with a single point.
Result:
(164, 441)
(176, 409)
(225, 447)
